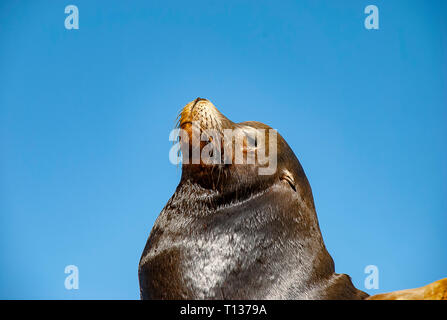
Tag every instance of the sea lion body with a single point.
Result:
(230, 233)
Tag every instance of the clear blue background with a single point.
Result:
(86, 115)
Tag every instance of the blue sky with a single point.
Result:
(85, 117)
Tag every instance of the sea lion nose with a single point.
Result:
(196, 101)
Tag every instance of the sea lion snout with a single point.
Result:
(204, 114)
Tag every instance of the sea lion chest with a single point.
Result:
(202, 250)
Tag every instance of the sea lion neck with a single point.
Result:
(238, 182)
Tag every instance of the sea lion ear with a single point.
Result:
(287, 176)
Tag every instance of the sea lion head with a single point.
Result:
(246, 157)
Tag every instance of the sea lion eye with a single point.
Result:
(289, 178)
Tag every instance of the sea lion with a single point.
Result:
(229, 232)
(434, 291)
